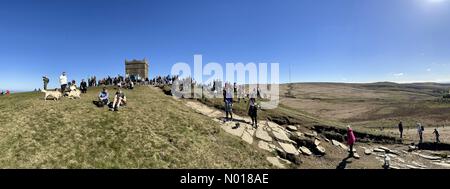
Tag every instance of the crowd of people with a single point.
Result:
(65, 85)
(163, 80)
(118, 82)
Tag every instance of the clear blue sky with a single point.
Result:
(320, 40)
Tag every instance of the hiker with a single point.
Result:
(436, 133)
(229, 102)
(63, 82)
(46, 81)
(103, 98)
(400, 128)
(119, 99)
(253, 111)
(420, 130)
(351, 139)
(83, 86)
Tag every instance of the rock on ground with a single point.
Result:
(320, 149)
(263, 135)
(316, 142)
(430, 157)
(265, 146)
(305, 150)
(289, 148)
(281, 136)
(291, 128)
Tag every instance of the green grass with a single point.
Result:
(153, 131)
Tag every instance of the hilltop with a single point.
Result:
(153, 131)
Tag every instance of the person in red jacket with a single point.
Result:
(351, 139)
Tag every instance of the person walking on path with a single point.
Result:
(436, 134)
(229, 102)
(400, 128)
(253, 112)
(351, 139)
(420, 130)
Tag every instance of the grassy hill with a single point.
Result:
(153, 131)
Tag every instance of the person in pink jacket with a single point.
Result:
(351, 139)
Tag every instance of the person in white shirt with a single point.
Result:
(63, 82)
(420, 132)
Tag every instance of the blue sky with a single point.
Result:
(318, 40)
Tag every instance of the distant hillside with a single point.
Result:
(369, 104)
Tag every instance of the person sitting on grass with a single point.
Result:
(72, 86)
(119, 100)
(103, 98)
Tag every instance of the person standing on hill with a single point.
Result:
(400, 128)
(224, 92)
(351, 139)
(229, 102)
(63, 82)
(46, 81)
(253, 111)
(420, 130)
(436, 133)
(83, 86)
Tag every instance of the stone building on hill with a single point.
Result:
(137, 69)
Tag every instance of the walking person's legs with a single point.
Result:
(351, 150)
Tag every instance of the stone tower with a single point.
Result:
(137, 68)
